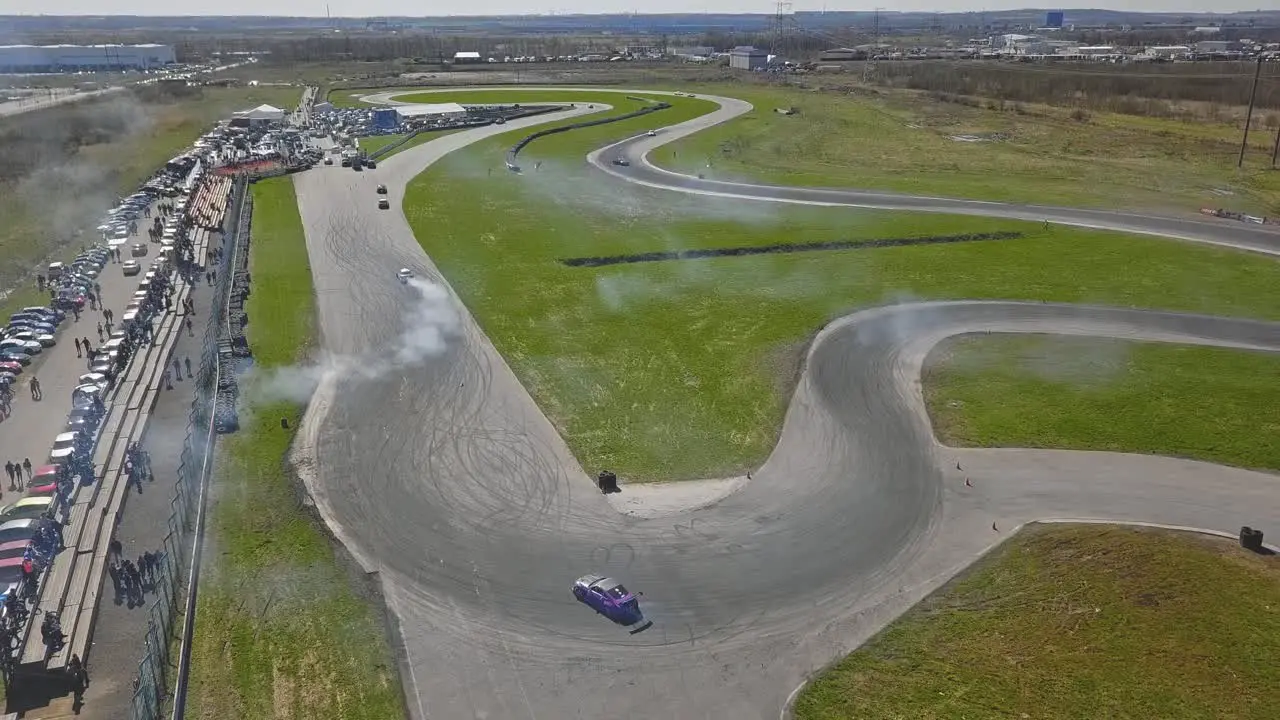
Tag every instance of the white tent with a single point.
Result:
(266, 113)
(441, 110)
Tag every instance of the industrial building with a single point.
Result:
(443, 111)
(69, 58)
(745, 57)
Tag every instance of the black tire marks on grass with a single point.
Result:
(787, 248)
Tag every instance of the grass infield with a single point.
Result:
(280, 631)
(674, 370)
(1075, 393)
(1076, 622)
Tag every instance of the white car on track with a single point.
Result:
(404, 274)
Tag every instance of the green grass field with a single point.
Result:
(1095, 394)
(1066, 622)
(40, 217)
(902, 141)
(683, 369)
(280, 631)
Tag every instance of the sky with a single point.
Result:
(417, 8)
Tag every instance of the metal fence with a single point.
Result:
(152, 680)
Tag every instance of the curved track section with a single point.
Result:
(643, 172)
(438, 470)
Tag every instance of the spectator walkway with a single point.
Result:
(121, 628)
(75, 583)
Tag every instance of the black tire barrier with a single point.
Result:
(654, 106)
(608, 482)
(786, 248)
(226, 421)
(1251, 539)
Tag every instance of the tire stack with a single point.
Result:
(1251, 539)
(234, 356)
(225, 418)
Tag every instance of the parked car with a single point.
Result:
(44, 339)
(14, 355)
(35, 326)
(94, 378)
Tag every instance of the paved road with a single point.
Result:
(30, 430)
(441, 472)
(60, 97)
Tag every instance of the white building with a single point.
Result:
(1013, 40)
(1168, 52)
(745, 57)
(463, 57)
(444, 111)
(58, 58)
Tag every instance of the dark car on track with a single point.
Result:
(621, 161)
(609, 598)
(382, 189)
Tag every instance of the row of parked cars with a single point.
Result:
(29, 332)
(70, 284)
(121, 220)
(32, 329)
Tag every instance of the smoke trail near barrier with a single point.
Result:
(786, 248)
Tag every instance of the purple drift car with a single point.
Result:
(609, 598)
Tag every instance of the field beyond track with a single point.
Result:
(1076, 622)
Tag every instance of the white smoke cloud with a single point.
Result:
(430, 323)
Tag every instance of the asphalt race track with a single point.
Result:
(438, 470)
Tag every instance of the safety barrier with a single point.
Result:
(1239, 216)
(653, 106)
(152, 680)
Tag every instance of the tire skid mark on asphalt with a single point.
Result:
(856, 525)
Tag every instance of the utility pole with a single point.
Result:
(1275, 149)
(1248, 116)
(869, 65)
(783, 19)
